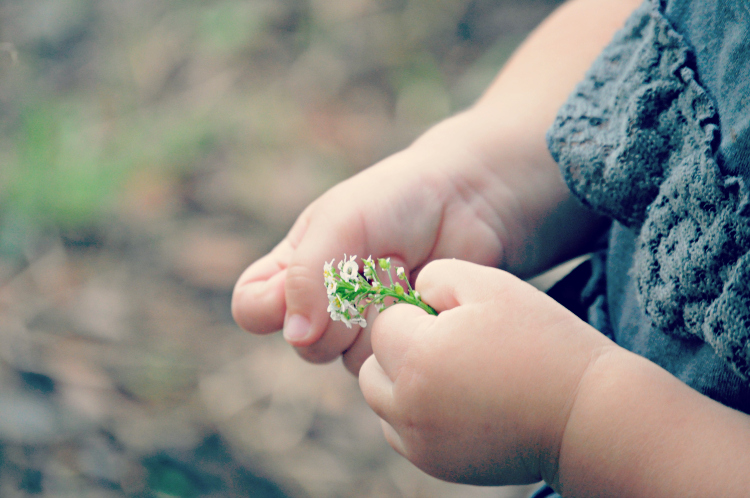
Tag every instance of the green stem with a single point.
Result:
(346, 291)
(409, 299)
(390, 277)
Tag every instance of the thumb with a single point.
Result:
(447, 283)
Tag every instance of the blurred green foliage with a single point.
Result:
(230, 26)
(60, 177)
(67, 175)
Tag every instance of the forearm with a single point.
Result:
(635, 430)
(506, 130)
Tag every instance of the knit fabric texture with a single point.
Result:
(638, 141)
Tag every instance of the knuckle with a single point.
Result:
(304, 288)
(298, 277)
(431, 271)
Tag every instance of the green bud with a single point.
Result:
(399, 290)
(385, 264)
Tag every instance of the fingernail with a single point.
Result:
(296, 328)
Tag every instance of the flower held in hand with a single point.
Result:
(350, 293)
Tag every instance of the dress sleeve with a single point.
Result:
(637, 141)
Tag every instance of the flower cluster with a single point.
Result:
(350, 293)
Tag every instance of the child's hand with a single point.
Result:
(434, 200)
(479, 186)
(481, 393)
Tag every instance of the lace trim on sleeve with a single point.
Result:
(637, 141)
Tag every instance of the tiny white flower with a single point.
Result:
(361, 292)
(369, 265)
(337, 304)
(342, 305)
(328, 269)
(349, 308)
(417, 295)
(331, 287)
(334, 305)
(350, 270)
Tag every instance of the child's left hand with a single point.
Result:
(481, 393)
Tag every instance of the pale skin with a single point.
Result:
(505, 386)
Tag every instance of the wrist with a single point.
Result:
(636, 430)
(588, 385)
(504, 163)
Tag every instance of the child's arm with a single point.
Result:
(635, 430)
(506, 386)
(480, 186)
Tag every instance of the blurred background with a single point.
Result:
(149, 151)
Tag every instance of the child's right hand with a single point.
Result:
(480, 186)
(436, 199)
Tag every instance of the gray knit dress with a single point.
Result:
(657, 137)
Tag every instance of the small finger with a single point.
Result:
(377, 388)
(259, 307)
(258, 300)
(361, 349)
(393, 334)
(336, 339)
(267, 266)
(447, 283)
